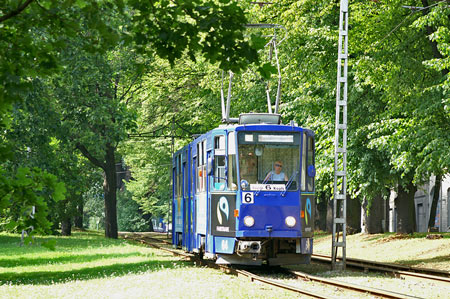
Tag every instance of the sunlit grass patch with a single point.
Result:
(174, 282)
(80, 257)
(407, 249)
(88, 265)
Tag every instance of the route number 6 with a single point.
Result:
(247, 197)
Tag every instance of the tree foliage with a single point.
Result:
(116, 79)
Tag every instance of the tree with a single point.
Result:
(33, 34)
(394, 65)
(130, 217)
(32, 135)
(92, 94)
(394, 91)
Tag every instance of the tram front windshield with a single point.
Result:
(269, 161)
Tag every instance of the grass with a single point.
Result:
(83, 256)
(413, 250)
(87, 264)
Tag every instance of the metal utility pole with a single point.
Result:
(340, 146)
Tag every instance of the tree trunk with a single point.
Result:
(148, 218)
(150, 225)
(437, 188)
(110, 189)
(373, 215)
(66, 227)
(79, 217)
(330, 216)
(406, 212)
(322, 214)
(109, 186)
(353, 216)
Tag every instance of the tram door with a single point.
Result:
(178, 202)
(185, 204)
(193, 202)
(307, 185)
(223, 200)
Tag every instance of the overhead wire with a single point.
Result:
(413, 11)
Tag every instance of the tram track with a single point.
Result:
(395, 269)
(351, 286)
(150, 241)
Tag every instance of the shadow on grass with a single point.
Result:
(74, 258)
(436, 259)
(10, 244)
(50, 277)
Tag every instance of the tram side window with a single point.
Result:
(310, 161)
(232, 171)
(204, 173)
(303, 183)
(186, 180)
(194, 175)
(219, 163)
(174, 181)
(198, 168)
(201, 167)
(179, 177)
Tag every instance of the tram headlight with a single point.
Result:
(249, 221)
(290, 221)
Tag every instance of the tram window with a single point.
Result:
(174, 181)
(309, 162)
(201, 167)
(204, 173)
(219, 145)
(179, 178)
(186, 181)
(219, 163)
(232, 171)
(198, 168)
(219, 173)
(304, 162)
(195, 175)
(269, 159)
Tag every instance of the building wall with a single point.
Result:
(392, 212)
(422, 201)
(445, 204)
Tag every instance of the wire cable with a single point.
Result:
(413, 11)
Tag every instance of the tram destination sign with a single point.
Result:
(267, 187)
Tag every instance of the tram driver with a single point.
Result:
(276, 174)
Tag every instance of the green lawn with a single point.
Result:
(87, 264)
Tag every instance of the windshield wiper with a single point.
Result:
(289, 182)
(263, 183)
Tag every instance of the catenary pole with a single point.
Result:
(340, 147)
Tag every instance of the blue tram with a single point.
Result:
(244, 193)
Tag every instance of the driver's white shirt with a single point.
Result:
(276, 177)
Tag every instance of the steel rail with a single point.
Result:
(143, 239)
(396, 269)
(229, 270)
(351, 286)
(254, 277)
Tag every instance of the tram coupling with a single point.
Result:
(249, 247)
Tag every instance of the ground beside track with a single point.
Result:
(89, 265)
(414, 250)
(86, 265)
